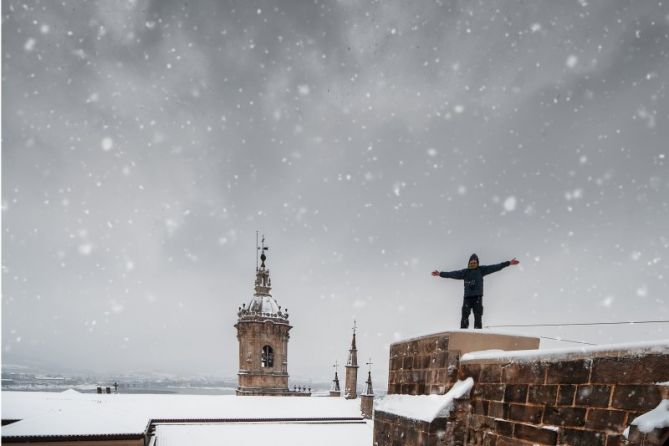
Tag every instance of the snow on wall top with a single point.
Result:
(657, 418)
(44, 413)
(423, 407)
(629, 349)
(486, 331)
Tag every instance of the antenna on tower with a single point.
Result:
(257, 249)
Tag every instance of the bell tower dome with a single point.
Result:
(262, 331)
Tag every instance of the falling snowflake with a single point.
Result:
(30, 44)
(303, 89)
(510, 204)
(107, 144)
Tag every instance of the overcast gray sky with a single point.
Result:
(144, 143)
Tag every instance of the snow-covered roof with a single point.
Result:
(629, 349)
(423, 407)
(66, 414)
(324, 434)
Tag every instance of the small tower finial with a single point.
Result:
(263, 248)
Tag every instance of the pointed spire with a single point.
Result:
(369, 390)
(335, 381)
(353, 351)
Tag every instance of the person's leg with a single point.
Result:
(478, 312)
(466, 309)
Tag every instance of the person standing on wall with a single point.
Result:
(472, 277)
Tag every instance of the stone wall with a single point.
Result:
(586, 399)
(393, 430)
(429, 364)
(579, 397)
(422, 366)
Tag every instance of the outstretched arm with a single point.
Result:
(489, 269)
(460, 274)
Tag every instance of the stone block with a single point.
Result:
(533, 373)
(407, 363)
(506, 441)
(579, 437)
(515, 393)
(525, 413)
(542, 394)
(491, 373)
(493, 392)
(480, 407)
(477, 422)
(594, 395)
(564, 416)
(631, 370)
(470, 370)
(569, 372)
(615, 440)
(395, 363)
(503, 427)
(637, 397)
(536, 435)
(498, 410)
(605, 419)
(566, 394)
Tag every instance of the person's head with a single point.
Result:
(473, 262)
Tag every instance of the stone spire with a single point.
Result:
(367, 398)
(351, 391)
(369, 390)
(335, 391)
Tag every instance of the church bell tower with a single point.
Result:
(262, 331)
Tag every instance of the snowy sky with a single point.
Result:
(145, 142)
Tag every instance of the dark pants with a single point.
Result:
(468, 304)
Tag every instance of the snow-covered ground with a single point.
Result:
(73, 413)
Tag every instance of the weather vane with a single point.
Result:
(261, 248)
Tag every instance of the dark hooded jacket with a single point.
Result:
(473, 277)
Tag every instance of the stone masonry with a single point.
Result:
(579, 399)
(429, 364)
(526, 398)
